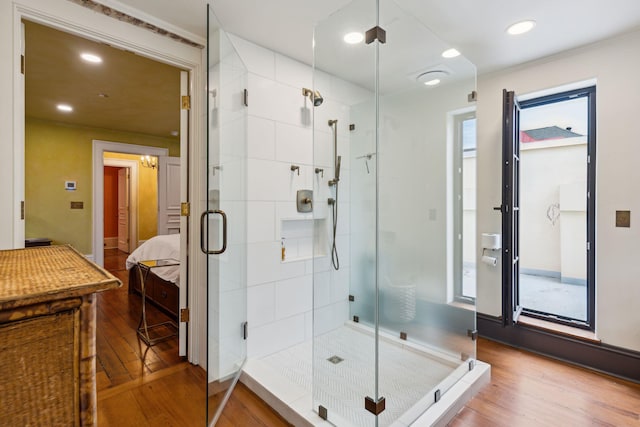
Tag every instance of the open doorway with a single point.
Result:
(120, 97)
(549, 207)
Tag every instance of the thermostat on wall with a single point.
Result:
(69, 185)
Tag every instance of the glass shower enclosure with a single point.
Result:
(391, 332)
(223, 226)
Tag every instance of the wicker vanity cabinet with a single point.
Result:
(47, 336)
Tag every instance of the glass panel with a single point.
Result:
(344, 352)
(226, 196)
(421, 93)
(404, 337)
(553, 208)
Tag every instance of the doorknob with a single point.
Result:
(203, 217)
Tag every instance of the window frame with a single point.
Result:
(458, 230)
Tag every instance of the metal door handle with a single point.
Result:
(204, 215)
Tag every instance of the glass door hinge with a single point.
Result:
(322, 412)
(374, 407)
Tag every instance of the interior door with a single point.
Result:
(223, 224)
(123, 210)
(169, 195)
(510, 208)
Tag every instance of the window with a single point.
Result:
(549, 207)
(464, 202)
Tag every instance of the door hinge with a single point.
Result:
(22, 209)
(185, 209)
(375, 407)
(186, 102)
(473, 334)
(22, 64)
(245, 98)
(184, 315)
(245, 330)
(472, 97)
(375, 33)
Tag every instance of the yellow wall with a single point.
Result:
(147, 197)
(55, 153)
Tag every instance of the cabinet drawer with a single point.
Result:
(166, 295)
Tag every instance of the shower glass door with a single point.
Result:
(419, 94)
(344, 354)
(389, 336)
(223, 224)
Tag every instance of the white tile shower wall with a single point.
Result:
(280, 294)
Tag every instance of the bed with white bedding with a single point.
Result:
(162, 283)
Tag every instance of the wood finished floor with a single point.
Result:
(121, 357)
(162, 389)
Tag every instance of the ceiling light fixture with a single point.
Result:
(65, 108)
(432, 78)
(90, 57)
(353, 38)
(103, 95)
(450, 53)
(175, 133)
(521, 27)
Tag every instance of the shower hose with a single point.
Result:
(334, 250)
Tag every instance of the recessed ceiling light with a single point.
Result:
(90, 57)
(353, 38)
(432, 82)
(450, 53)
(521, 27)
(175, 133)
(103, 95)
(65, 107)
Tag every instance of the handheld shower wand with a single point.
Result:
(334, 202)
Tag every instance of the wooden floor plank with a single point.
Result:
(525, 390)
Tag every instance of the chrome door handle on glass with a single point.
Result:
(204, 249)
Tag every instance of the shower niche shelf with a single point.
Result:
(303, 238)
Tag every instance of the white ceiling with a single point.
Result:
(474, 27)
(287, 26)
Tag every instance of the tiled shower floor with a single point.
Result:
(406, 375)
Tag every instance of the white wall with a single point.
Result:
(544, 172)
(280, 293)
(614, 63)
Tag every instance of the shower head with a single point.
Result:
(315, 97)
(338, 161)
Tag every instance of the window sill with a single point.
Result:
(564, 330)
